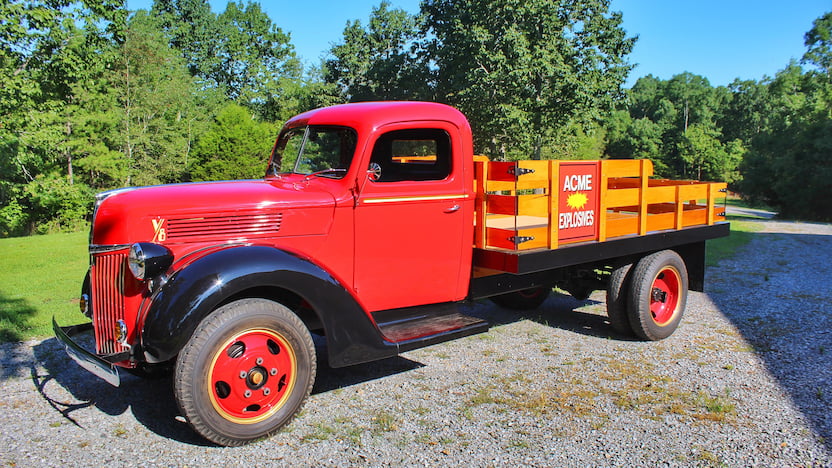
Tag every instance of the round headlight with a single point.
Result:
(147, 260)
(135, 260)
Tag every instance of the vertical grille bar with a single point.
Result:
(107, 299)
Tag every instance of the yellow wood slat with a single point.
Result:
(621, 197)
(680, 206)
(661, 221)
(533, 205)
(709, 217)
(716, 191)
(621, 226)
(603, 203)
(554, 192)
(480, 171)
(662, 194)
(540, 174)
(693, 192)
(626, 167)
(501, 238)
(642, 197)
(501, 186)
(540, 238)
(694, 217)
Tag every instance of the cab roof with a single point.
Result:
(372, 115)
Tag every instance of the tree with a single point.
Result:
(702, 151)
(193, 30)
(819, 43)
(46, 49)
(235, 146)
(522, 70)
(255, 56)
(380, 62)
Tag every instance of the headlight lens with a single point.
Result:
(136, 261)
(147, 260)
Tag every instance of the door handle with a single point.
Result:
(453, 209)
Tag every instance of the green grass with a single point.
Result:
(740, 203)
(741, 233)
(40, 276)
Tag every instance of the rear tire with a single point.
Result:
(658, 294)
(245, 372)
(527, 299)
(618, 291)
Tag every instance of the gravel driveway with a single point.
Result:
(745, 381)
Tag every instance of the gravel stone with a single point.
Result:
(745, 381)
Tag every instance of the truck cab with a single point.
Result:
(401, 177)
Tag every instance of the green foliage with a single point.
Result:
(64, 206)
(239, 52)
(380, 62)
(235, 146)
(819, 43)
(532, 77)
(710, 159)
(523, 71)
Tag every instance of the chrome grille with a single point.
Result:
(107, 281)
(251, 225)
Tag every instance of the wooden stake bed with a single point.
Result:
(527, 206)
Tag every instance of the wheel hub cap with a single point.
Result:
(251, 376)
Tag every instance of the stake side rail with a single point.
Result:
(530, 205)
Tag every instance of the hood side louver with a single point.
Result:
(238, 226)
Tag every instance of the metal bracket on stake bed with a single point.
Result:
(518, 171)
(517, 240)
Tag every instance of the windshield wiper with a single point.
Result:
(322, 173)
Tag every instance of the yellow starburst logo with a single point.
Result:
(577, 200)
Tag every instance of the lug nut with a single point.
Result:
(266, 391)
(248, 393)
(243, 374)
(273, 371)
(259, 361)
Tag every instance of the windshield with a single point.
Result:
(322, 151)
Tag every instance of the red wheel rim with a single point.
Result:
(664, 296)
(252, 376)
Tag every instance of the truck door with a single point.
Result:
(409, 220)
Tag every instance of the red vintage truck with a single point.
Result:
(374, 222)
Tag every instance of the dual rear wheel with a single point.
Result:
(647, 298)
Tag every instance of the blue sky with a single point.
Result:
(721, 40)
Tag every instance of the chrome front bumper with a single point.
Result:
(97, 365)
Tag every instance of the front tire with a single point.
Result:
(245, 372)
(658, 293)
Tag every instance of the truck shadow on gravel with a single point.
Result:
(151, 402)
(776, 292)
(559, 311)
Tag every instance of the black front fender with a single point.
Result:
(192, 293)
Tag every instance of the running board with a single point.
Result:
(417, 327)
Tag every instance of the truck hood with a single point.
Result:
(234, 211)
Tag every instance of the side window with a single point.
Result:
(412, 155)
